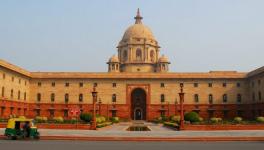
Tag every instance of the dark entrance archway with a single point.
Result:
(138, 104)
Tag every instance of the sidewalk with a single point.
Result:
(157, 133)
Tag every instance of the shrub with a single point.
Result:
(238, 119)
(216, 120)
(260, 119)
(58, 119)
(100, 119)
(40, 119)
(175, 119)
(191, 116)
(171, 124)
(201, 119)
(114, 119)
(86, 117)
(164, 118)
(100, 125)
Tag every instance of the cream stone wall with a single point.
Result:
(171, 90)
(16, 81)
(256, 84)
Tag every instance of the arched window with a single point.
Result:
(38, 97)
(66, 98)
(138, 54)
(196, 98)
(224, 98)
(3, 91)
(253, 96)
(52, 97)
(25, 96)
(12, 93)
(152, 55)
(18, 95)
(162, 98)
(125, 55)
(81, 97)
(114, 98)
(239, 98)
(211, 99)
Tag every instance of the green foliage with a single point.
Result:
(171, 124)
(40, 119)
(238, 119)
(104, 124)
(201, 119)
(58, 119)
(86, 117)
(192, 117)
(114, 119)
(260, 119)
(176, 119)
(215, 120)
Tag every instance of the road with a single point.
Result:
(84, 145)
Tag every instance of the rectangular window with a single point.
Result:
(80, 84)
(196, 98)
(253, 96)
(66, 98)
(239, 98)
(65, 113)
(39, 83)
(52, 113)
(224, 84)
(25, 96)
(25, 82)
(95, 85)
(162, 98)
(253, 84)
(4, 76)
(260, 96)
(238, 84)
(38, 97)
(162, 85)
(114, 98)
(19, 81)
(259, 82)
(195, 84)
(114, 85)
(224, 98)
(80, 97)
(210, 84)
(38, 112)
(67, 84)
(13, 79)
(53, 84)
(113, 113)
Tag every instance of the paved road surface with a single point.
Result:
(82, 145)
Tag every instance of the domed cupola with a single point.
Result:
(163, 64)
(113, 64)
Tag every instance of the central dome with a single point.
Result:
(138, 31)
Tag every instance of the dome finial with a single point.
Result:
(138, 17)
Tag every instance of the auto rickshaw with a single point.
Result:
(21, 128)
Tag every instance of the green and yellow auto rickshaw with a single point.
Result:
(21, 128)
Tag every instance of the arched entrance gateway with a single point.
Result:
(138, 104)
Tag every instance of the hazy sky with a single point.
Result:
(81, 35)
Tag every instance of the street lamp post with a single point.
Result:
(168, 109)
(100, 102)
(93, 123)
(181, 94)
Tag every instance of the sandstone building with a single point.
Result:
(138, 85)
